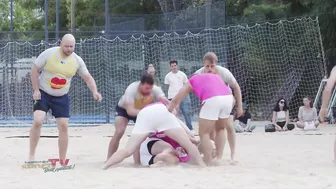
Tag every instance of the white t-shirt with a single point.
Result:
(307, 115)
(175, 82)
(280, 116)
(140, 101)
(57, 72)
(224, 73)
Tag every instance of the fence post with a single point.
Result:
(11, 20)
(107, 19)
(72, 13)
(46, 21)
(57, 21)
(208, 13)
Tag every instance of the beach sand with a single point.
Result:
(289, 160)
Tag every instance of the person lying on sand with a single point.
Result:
(151, 119)
(160, 150)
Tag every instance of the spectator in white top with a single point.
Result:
(280, 118)
(308, 119)
(174, 81)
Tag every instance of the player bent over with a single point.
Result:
(137, 95)
(217, 101)
(155, 118)
(210, 60)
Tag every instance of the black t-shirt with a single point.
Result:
(244, 117)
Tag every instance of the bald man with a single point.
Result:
(57, 66)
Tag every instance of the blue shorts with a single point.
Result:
(123, 113)
(59, 105)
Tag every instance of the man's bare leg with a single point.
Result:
(205, 128)
(180, 136)
(220, 137)
(231, 137)
(34, 133)
(63, 137)
(133, 144)
(120, 126)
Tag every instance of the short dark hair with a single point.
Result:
(173, 62)
(147, 79)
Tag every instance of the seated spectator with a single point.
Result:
(243, 123)
(308, 119)
(280, 119)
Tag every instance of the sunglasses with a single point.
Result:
(282, 101)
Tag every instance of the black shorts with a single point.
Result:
(59, 105)
(149, 147)
(123, 113)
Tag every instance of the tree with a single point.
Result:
(24, 19)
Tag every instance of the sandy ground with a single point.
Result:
(289, 160)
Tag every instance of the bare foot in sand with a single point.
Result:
(31, 158)
(233, 162)
(217, 162)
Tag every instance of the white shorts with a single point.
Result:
(155, 118)
(216, 107)
(146, 158)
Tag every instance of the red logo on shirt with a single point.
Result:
(57, 83)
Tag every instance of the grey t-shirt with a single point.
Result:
(307, 115)
(224, 73)
(57, 72)
(132, 94)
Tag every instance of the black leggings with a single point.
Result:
(282, 124)
(271, 127)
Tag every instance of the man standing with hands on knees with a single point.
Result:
(174, 81)
(57, 65)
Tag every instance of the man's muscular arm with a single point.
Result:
(131, 109)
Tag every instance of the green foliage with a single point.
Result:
(28, 14)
